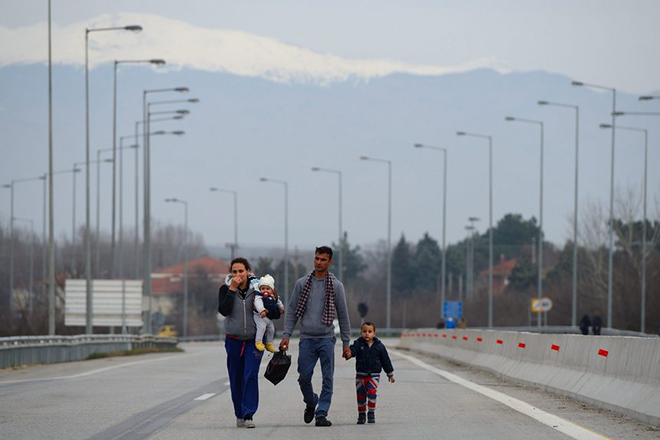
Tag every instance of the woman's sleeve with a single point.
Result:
(225, 300)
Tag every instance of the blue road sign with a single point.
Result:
(453, 309)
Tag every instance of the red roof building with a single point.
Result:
(169, 280)
(501, 273)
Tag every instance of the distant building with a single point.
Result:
(501, 273)
(167, 283)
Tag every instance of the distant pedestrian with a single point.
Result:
(585, 323)
(371, 357)
(235, 303)
(316, 300)
(596, 324)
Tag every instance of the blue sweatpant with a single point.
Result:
(243, 361)
(310, 351)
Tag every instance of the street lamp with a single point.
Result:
(147, 214)
(389, 235)
(610, 262)
(137, 202)
(575, 203)
(234, 246)
(341, 233)
(185, 264)
(472, 228)
(146, 117)
(156, 62)
(540, 280)
(648, 98)
(646, 143)
(444, 223)
(10, 186)
(88, 250)
(30, 291)
(286, 232)
(490, 219)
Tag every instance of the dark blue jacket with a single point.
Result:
(369, 361)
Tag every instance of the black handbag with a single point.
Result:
(278, 367)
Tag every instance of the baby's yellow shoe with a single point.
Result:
(259, 345)
(270, 347)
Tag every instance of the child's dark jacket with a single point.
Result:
(369, 361)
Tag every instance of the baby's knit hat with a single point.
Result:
(267, 280)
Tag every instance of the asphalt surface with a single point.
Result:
(186, 396)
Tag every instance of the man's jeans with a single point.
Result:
(311, 350)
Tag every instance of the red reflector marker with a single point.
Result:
(521, 344)
(435, 335)
(444, 336)
(465, 338)
(499, 341)
(454, 337)
(555, 347)
(479, 339)
(603, 353)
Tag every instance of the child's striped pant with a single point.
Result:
(366, 387)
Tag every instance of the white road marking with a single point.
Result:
(92, 372)
(205, 396)
(227, 383)
(564, 426)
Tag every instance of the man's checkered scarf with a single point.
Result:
(328, 307)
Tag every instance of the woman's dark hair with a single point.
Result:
(368, 323)
(242, 261)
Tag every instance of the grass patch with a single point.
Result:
(134, 352)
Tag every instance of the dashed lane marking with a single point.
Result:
(205, 396)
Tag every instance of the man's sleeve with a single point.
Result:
(342, 315)
(290, 313)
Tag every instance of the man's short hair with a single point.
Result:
(324, 250)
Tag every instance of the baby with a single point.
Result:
(267, 306)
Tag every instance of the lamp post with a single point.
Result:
(611, 231)
(472, 221)
(185, 264)
(10, 186)
(444, 222)
(156, 62)
(468, 262)
(88, 250)
(490, 219)
(147, 214)
(340, 243)
(286, 233)
(540, 275)
(31, 292)
(137, 202)
(575, 203)
(646, 148)
(389, 235)
(235, 193)
(51, 217)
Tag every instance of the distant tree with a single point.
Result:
(353, 261)
(264, 266)
(401, 264)
(426, 263)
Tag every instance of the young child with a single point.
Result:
(267, 306)
(371, 356)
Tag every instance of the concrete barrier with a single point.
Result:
(618, 373)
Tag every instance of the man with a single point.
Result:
(317, 299)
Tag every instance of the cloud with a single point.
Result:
(216, 50)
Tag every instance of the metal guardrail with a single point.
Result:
(558, 329)
(30, 350)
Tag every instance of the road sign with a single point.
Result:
(453, 309)
(107, 296)
(541, 305)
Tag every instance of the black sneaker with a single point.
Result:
(322, 421)
(308, 416)
(362, 418)
(371, 417)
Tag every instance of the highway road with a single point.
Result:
(186, 396)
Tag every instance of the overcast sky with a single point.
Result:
(599, 41)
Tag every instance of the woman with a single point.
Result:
(235, 303)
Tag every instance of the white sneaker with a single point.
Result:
(240, 423)
(249, 423)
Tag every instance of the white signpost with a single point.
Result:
(107, 296)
